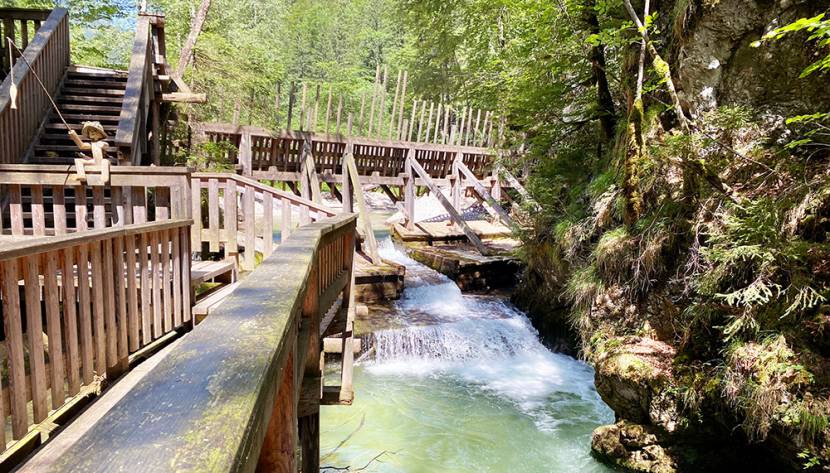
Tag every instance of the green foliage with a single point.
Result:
(818, 29)
(213, 157)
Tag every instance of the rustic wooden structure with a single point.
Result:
(21, 25)
(308, 160)
(248, 382)
(75, 307)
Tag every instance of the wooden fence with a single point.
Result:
(43, 200)
(231, 395)
(265, 154)
(230, 201)
(74, 307)
(48, 54)
(21, 25)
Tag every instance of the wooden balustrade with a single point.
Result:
(231, 395)
(43, 200)
(229, 218)
(21, 25)
(48, 53)
(261, 151)
(74, 307)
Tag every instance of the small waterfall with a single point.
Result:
(481, 342)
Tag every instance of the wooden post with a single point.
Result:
(348, 205)
(395, 106)
(328, 110)
(245, 152)
(409, 190)
(403, 101)
(481, 191)
(309, 424)
(277, 451)
(291, 93)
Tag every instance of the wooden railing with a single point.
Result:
(262, 151)
(21, 25)
(74, 308)
(229, 220)
(48, 54)
(43, 200)
(140, 101)
(231, 395)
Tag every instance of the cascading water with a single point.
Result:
(462, 383)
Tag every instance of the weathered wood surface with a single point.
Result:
(207, 406)
(222, 232)
(49, 200)
(76, 310)
(484, 193)
(48, 54)
(282, 151)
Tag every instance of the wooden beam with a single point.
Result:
(481, 191)
(454, 214)
(363, 213)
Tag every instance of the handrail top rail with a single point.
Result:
(227, 128)
(263, 188)
(136, 76)
(69, 169)
(33, 14)
(32, 51)
(38, 245)
(210, 399)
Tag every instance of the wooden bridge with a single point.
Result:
(208, 299)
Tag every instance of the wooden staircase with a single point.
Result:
(85, 95)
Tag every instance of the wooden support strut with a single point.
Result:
(481, 191)
(412, 163)
(350, 168)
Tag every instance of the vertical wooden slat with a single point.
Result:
(285, 230)
(133, 314)
(185, 243)
(156, 282)
(213, 215)
(99, 211)
(177, 282)
(144, 310)
(121, 298)
(250, 228)
(80, 208)
(16, 209)
(139, 200)
(162, 197)
(231, 203)
(267, 224)
(99, 308)
(110, 330)
(14, 347)
(196, 213)
(85, 315)
(34, 330)
(38, 214)
(70, 317)
(165, 281)
(53, 326)
(59, 210)
(118, 211)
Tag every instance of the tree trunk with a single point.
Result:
(605, 102)
(634, 144)
(195, 29)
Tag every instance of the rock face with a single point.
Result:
(717, 65)
(632, 446)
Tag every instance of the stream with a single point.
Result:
(461, 383)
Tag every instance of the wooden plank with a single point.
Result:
(155, 277)
(38, 215)
(185, 281)
(145, 310)
(285, 229)
(196, 212)
(99, 309)
(249, 211)
(34, 330)
(121, 298)
(14, 347)
(364, 218)
(133, 314)
(73, 356)
(231, 219)
(99, 211)
(456, 217)
(85, 315)
(267, 224)
(110, 330)
(213, 215)
(165, 280)
(51, 298)
(177, 279)
(16, 209)
(482, 192)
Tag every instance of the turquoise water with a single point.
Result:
(462, 385)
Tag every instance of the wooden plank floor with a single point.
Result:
(65, 438)
(441, 231)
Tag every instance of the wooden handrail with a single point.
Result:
(263, 188)
(97, 296)
(48, 53)
(32, 246)
(136, 95)
(32, 14)
(225, 398)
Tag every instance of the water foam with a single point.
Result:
(484, 342)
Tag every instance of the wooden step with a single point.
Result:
(76, 117)
(90, 92)
(114, 75)
(62, 148)
(90, 108)
(88, 99)
(204, 271)
(110, 129)
(95, 84)
(204, 307)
